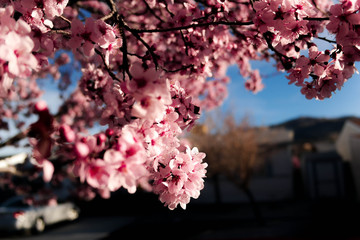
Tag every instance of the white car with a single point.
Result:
(16, 214)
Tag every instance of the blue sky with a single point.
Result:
(279, 101)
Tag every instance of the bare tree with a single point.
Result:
(231, 150)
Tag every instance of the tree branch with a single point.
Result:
(179, 69)
(62, 32)
(125, 63)
(137, 36)
(152, 11)
(277, 53)
(327, 40)
(112, 6)
(14, 139)
(193, 26)
(316, 19)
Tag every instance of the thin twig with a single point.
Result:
(112, 75)
(63, 28)
(316, 6)
(316, 18)
(185, 43)
(112, 6)
(327, 40)
(125, 63)
(65, 19)
(279, 54)
(14, 139)
(62, 32)
(179, 69)
(168, 10)
(136, 55)
(152, 11)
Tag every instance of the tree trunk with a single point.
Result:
(244, 185)
(217, 189)
(254, 205)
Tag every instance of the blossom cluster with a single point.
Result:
(289, 26)
(179, 176)
(136, 155)
(16, 58)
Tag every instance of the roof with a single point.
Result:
(273, 136)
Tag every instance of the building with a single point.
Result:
(348, 146)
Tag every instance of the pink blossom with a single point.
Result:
(121, 166)
(97, 173)
(149, 108)
(16, 48)
(102, 34)
(82, 150)
(93, 32)
(54, 8)
(316, 63)
(184, 105)
(308, 91)
(296, 76)
(292, 31)
(48, 169)
(343, 16)
(254, 83)
(81, 36)
(148, 82)
(179, 177)
(151, 92)
(41, 106)
(327, 87)
(68, 135)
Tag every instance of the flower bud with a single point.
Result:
(40, 106)
(66, 133)
(81, 150)
(109, 132)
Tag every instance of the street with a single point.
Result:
(87, 228)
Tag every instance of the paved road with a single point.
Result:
(89, 228)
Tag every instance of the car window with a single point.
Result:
(15, 203)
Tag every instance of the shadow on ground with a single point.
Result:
(324, 219)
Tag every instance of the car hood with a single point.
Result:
(6, 210)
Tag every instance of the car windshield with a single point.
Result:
(15, 202)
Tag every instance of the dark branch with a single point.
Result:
(193, 26)
(152, 11)
(125, 63)
(327, 40)
(112, 6)
(137, 36)
(179, 69)
(316, 19)
(112, 75)
(282, 57)
(14, 139)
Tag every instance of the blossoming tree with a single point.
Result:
(148, 67)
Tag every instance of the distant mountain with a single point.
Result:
(315, 129)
